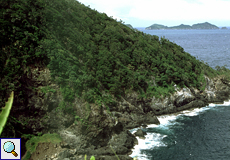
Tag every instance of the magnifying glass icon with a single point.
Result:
(9, 147)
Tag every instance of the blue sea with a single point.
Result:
(211, 46)
(196, 134)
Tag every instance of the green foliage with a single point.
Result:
(33, 142)
(208, 71)
(27, 156)
(66, 107)
(202, 81)
(47, 89)
(78, 119)
(100, 59)
(92, 158)
(5, 112)
(89, 54)
(21, 35)
(223, 72)
(68, 94)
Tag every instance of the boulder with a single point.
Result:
(140, 133)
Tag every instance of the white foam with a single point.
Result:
(195, 111)
(212, 105)
(153, 140)
(152, 126)
(226, 103)
(165, 119)
(133, 130)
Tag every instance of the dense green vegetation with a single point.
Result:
(89, 54)
(130, 26)
(96, 57)
(21, 33)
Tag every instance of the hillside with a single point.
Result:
(204, 25)
(88, 51)
(129, 25)
(82, 75)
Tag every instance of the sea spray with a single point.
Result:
(157, 135)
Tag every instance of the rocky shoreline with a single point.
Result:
(109, 132)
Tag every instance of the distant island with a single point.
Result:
(224, 28)
(204, 25)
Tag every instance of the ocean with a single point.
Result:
(211, 46)
(196, 134)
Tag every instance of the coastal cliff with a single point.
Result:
(109, 129)
(82, 80)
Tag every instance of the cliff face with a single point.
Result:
(216, 91)
(105, 128)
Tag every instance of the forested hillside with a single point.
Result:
(73, 69)
(89, 54)
(22, 31)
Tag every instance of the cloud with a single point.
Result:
(180, 10)
(118, 9)
(163, 10)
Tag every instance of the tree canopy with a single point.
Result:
(89, 54)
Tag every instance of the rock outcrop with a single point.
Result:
(216, 91)
(106, 131)
(141, 134)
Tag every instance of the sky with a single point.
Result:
(143, 13)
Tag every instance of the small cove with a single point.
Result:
(200, 133)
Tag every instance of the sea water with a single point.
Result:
(196, 134)
(211, 46)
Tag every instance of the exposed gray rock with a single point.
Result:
(70, 139)
(183, 97)
(105, 129)
(193, 104)
(215, 91)
(65, 155)
(140, 133)
(173, 102)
